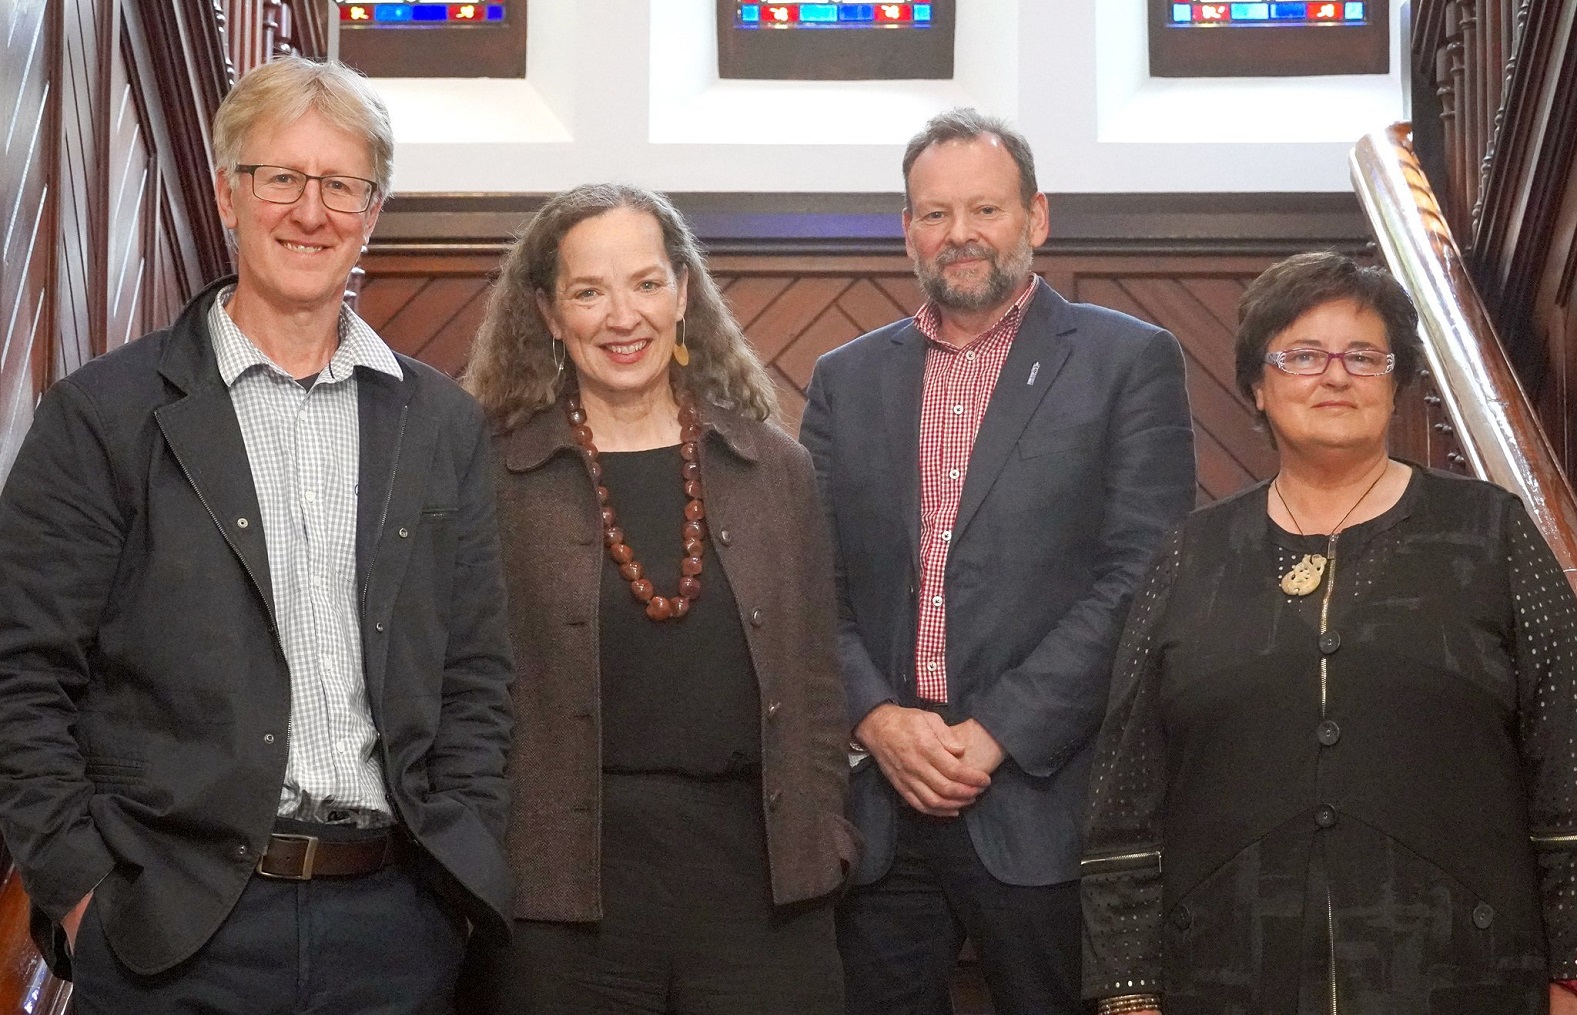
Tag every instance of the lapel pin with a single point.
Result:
(1034, 371)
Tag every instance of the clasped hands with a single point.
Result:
(938, 769)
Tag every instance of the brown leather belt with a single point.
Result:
(304, 857)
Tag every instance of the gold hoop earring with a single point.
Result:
(681, 351)
(558, 356)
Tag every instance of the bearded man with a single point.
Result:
(997, 472)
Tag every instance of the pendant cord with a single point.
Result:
(1275, 485)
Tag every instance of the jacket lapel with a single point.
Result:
(1036, 358)
(204, 435)
(903, 378)
(396, 448)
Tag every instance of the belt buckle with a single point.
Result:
(306, 862)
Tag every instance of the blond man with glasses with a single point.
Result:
(253, 659)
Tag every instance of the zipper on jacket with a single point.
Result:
(1325, 620)
(1330, 937)
(1325, 623)
(1117, 862)
(1553, 841)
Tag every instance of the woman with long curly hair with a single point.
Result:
(678, 766)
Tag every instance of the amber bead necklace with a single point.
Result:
(693, 532)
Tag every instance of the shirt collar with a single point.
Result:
(359, 346)
(928, 320)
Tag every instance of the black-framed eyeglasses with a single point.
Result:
(282, 185)
(1314, 362)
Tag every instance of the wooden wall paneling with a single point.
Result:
(177, 81)
(82, 179)
(794, 309)
(27, 206)
(132, 174)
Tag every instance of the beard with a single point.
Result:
(1006, 272)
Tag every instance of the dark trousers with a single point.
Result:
(379, 944)
(901, 935)
(688, 923)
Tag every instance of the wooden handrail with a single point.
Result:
(1499, 433)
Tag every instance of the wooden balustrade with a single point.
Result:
(1491, 422)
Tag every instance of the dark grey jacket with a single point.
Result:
(1084, 459)
(144, 696)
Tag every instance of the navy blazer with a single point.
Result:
(1083, 461)
(144, 698)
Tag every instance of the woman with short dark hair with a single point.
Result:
(679, 761)
(1338, 772)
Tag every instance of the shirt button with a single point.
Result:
(936, 600)
(757, 618)
(958, 410)
(953, 474)
(774, 798)
(947, 537)
(310, 496)
(931, 667)
(773, 710)
(1325, 816)
(378, 627)
(241, 523)
(723, 537)
(1330, 641)
(1483, 915)
(1328, 733)
(268, 738)
(243, 851)
(970, 355)
(405, 533)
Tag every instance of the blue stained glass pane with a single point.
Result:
(1251, 12)
(1182, 13)
(429, 12)
(750, 13)
(922, 12)
(495, 12)
(1354, 12)
(392, 12)
(856, 12)
(818, 13)
(1289, 12)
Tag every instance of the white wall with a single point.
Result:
(614, 92)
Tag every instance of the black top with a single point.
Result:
(1296, 796)
(677, 696)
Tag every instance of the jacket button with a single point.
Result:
(757, 618)
(1330, 641)
(405, 533)
(1483, 915)
(774, 798)
(773, 709)
(1328, 733)
(1325, 816)
(1182, 919)
(268, 738)
(241, 523)
(723, 537)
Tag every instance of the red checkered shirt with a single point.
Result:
(958, 387)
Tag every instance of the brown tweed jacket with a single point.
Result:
(768, 533)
